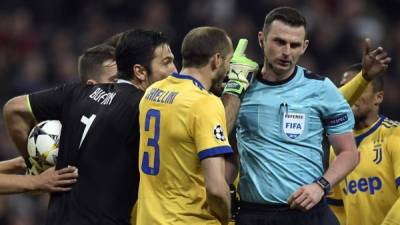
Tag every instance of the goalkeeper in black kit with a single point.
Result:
(100, 132)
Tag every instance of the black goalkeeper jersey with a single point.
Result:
(100, 136)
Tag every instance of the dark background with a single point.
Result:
(41, 40)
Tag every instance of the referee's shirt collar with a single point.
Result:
(280, 82)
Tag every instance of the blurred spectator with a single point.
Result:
(31, 76)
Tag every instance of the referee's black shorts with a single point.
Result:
(260, 214)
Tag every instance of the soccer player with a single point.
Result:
(279, 131)
(100, 131)
(49, 181)
(374, 63)
(374, 183)
(183, 139)
(97, 65)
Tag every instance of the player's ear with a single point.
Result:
(305, 45)
(90, 82)
(216, 61)
(379, 97)
(139, 72)
(261, 39)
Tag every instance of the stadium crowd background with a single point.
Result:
(41, 41)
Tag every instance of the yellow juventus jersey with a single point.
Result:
(370, 194)
(180, 124)
(353, 89)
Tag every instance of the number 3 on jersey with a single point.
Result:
(152, 142)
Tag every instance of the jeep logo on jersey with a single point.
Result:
(293, 124)
(219, 133)
(367, 184)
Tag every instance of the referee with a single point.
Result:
(279, 131)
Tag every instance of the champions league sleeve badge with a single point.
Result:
(219, 133)
(293, 124)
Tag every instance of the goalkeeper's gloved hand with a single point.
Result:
(242, 71)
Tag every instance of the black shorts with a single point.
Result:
(260, 214)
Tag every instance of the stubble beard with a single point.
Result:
(279, 72)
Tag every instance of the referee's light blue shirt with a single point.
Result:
(279, 133)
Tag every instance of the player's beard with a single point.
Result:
(217, 89)
(279, 72)
(216, 86)
(359, 119)
(358, 116)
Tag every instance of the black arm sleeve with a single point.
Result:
(48, 104)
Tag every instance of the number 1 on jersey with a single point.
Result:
(88, 122)
(152, 142)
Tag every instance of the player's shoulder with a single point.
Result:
(390, 132)
(115, 95)
(159, 83)
(192, 88)
(210, 96)
(63, 90)
(122, 89)
(205, 96)
(72, 86)
(391, 127)
(128, 94)
(127, 88)
(205, 100)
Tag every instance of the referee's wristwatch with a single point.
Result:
(324, 184)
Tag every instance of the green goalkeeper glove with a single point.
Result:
(242, 71)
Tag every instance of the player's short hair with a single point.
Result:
(90, 63)
(114, 40)
(137, 46)
(201, 43)
(377, 83)
(287, 15)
